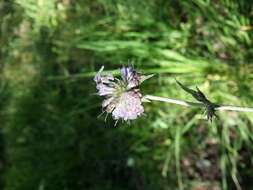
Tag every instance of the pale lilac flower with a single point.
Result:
(129, 106)
(122, 97)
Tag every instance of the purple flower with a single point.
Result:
(122, 97)
(130, 77)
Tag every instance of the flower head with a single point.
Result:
(122, 96)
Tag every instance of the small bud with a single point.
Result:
(200, 97)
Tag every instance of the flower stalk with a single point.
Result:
(149, 98)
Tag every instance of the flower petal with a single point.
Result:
(130, 77)
(97, 77)
(104, 90)
(103, 79)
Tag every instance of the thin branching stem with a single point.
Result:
(196, 104)
(234, 108)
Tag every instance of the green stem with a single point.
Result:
(196, 104)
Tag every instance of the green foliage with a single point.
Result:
(50, 135)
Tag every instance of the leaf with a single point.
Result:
(145, 77)
(198, 95)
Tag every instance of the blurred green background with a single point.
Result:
(51, 138)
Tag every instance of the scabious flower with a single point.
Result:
(122, 96)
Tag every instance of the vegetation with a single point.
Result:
(51, 138)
